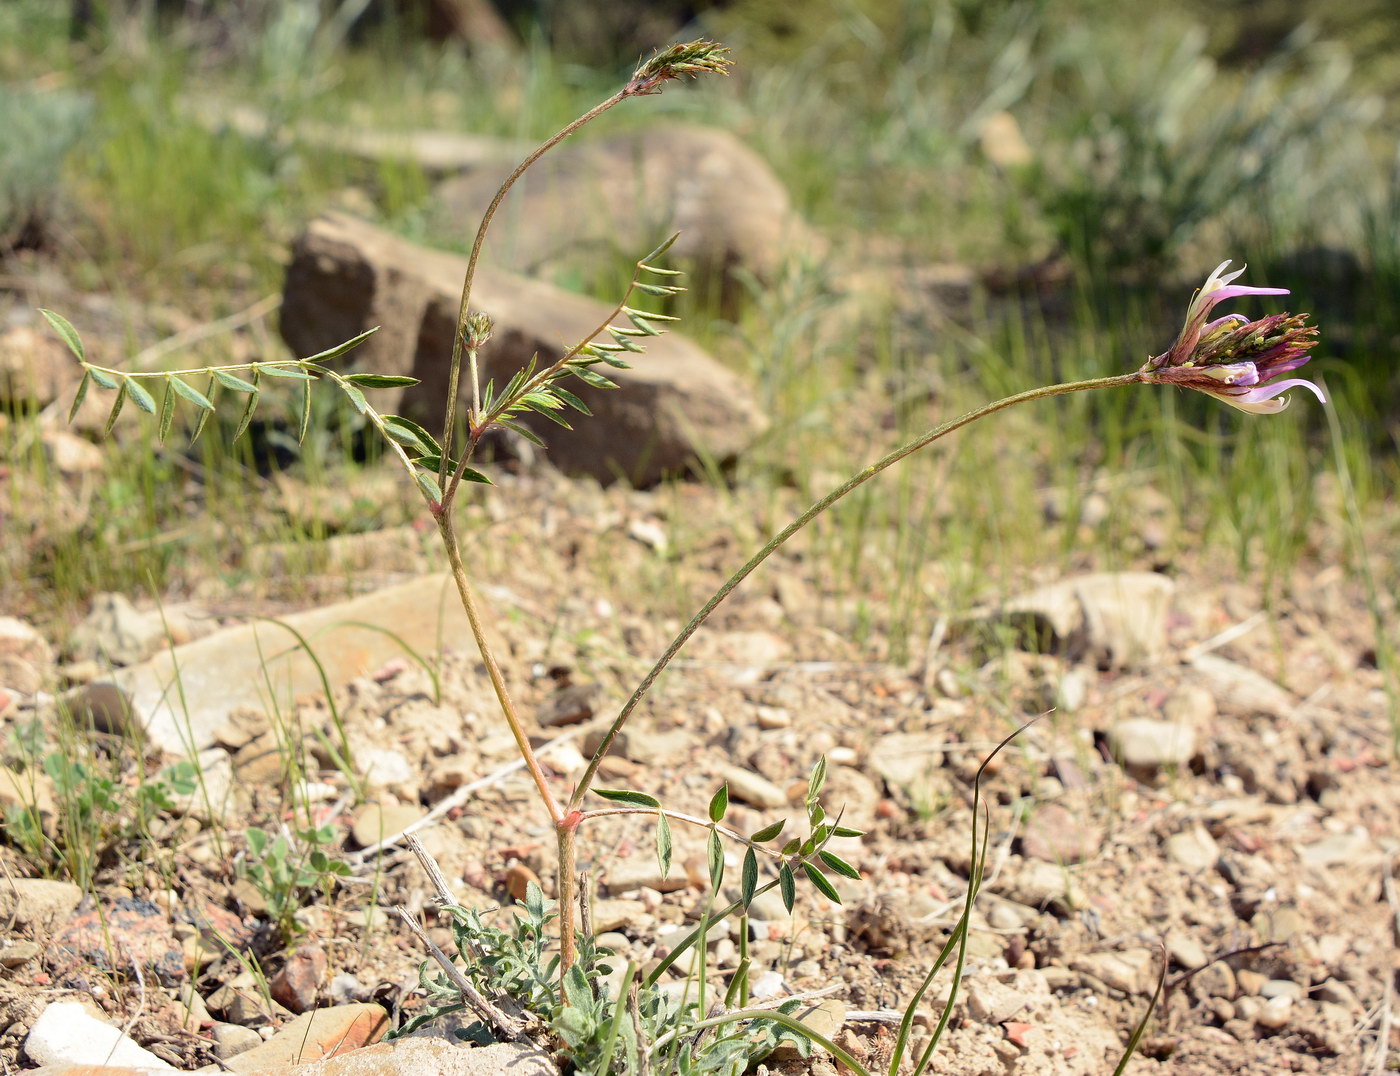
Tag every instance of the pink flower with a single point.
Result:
(1232, 358)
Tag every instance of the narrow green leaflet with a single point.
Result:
(570, 399)
(748, 879)
(80, 395)
(428, 483)
(657, 289)
(787, 885)
(380, 381)
(116, 409)
(229, 381)
(524, 431)
(102, 377)
(767, 833)
(70, 336)
(209, 394)
(140, 397)
(821, 881)
(818, 778)
(645, 263)
(357, 398)
(407, 438)
(290, 372)
(305, 423)
(598, 381)
(664, 845)
(839, 865)
(428, 440)
(247, 417)
(190, 393)
(626, 795)
(341, 349)
(167, 408)
(716, 860)
(846, 831)
(719, 803)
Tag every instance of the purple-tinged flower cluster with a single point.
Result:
(692, 58)
(1232, 358)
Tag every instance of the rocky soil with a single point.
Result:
(1209, 783)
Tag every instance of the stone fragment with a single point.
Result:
(518, 879)
(314, 1036)
(1058, 835)
(70, 454)
(26, 659)
(67, 1034)
(1242, 690)
(1193, 849)
(1336, 849)
(675, 407)
(616, 914)
(1117, 619)
(115, 633)
(129, 929)
(1132, 971)
(903, 759)
(1147, 744)
(990, 1001)
(620, 192)
(16, 954)
(640, 874)
(1038, 884)
(233, 1039)
(426, 1053)
(570, 705)
(825, 1017)
(383, 767)
(296, 984)
(230, 669)
(749, 787)
(374, 822)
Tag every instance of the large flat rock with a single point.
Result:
(181, 696)
(676, 407)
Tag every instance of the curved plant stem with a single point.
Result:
(856, 480)
(493, 670)
(464, 308)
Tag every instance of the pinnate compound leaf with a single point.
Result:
(788, 886)
(80, 395)
(64, 328)
(823, 883)
(748, 879)
(715, 856)
(116, 409)
(839, 865)
(140, 397)
(767, 833)
(628, 796)
(664, 845)
(719, 803)
(191, 393)
(381, 381)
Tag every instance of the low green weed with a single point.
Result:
(288, 867)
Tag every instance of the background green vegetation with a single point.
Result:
(1162, 143)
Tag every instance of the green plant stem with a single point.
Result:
(852, 483)
(464, 308)
(694, 820)
(776, 1017)
(493, 670)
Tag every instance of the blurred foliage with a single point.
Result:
(40, 127)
